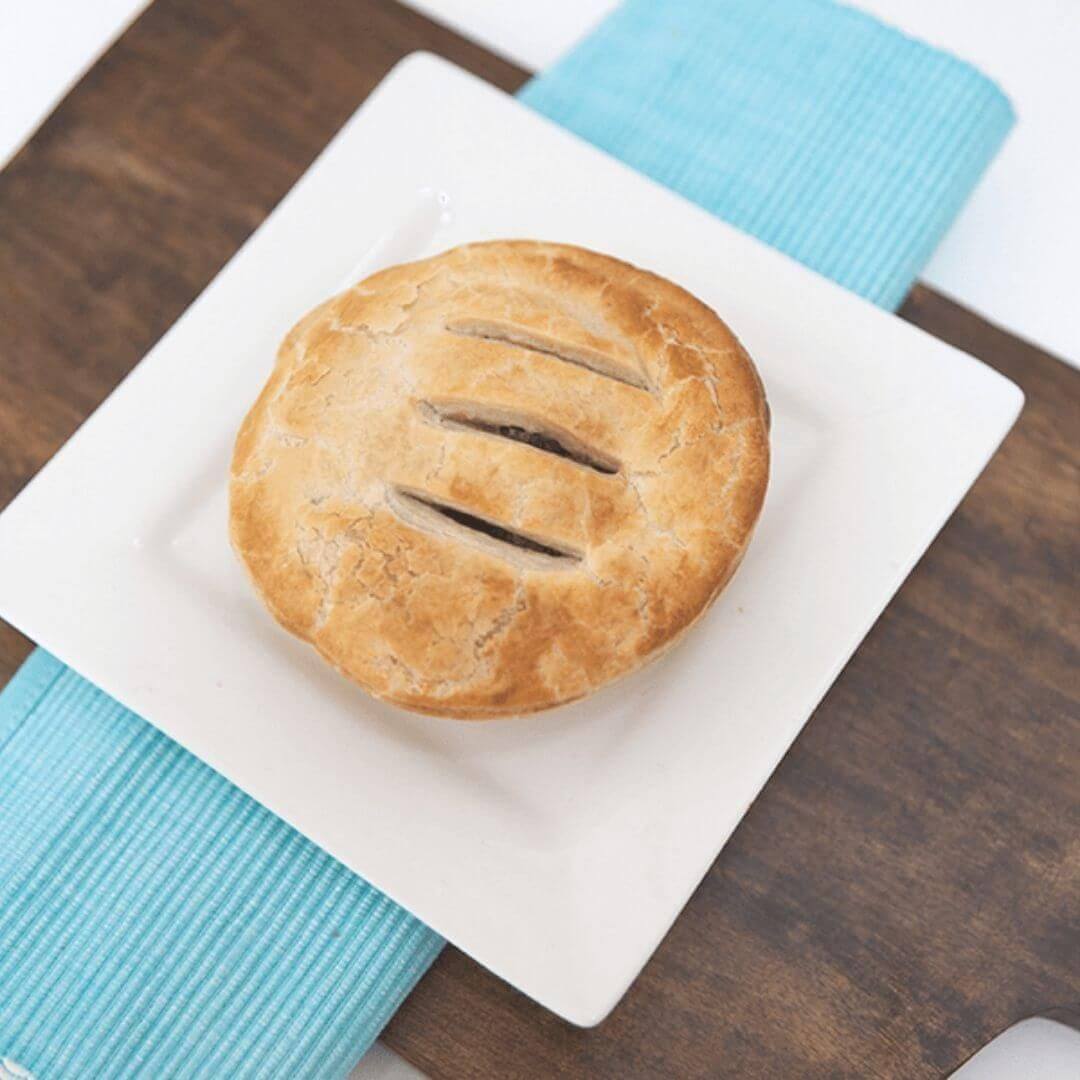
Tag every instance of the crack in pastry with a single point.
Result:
(496, 480)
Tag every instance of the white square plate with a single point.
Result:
(558, 849)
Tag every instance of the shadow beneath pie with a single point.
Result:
(545, 773)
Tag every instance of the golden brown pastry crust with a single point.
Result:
(364, 422)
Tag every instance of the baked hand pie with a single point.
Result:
(495, 480)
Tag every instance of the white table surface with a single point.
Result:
(381, 1063)
(1009, 256)
(45, 46)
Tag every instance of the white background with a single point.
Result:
(1010, 255)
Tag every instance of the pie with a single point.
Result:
(493, 481)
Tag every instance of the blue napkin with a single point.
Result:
(810, 125)
(154, 920)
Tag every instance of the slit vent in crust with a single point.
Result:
(444, 519)
(518, 427)
(525, 338)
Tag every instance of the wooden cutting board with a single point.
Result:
(908, 883)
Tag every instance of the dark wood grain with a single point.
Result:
(909, 881)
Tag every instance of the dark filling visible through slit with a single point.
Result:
(497, 532)
(540, 441)
(527, 430)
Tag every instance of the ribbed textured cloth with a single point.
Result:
(155, 921)
(812, 126)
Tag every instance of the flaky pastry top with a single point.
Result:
(492, 481)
